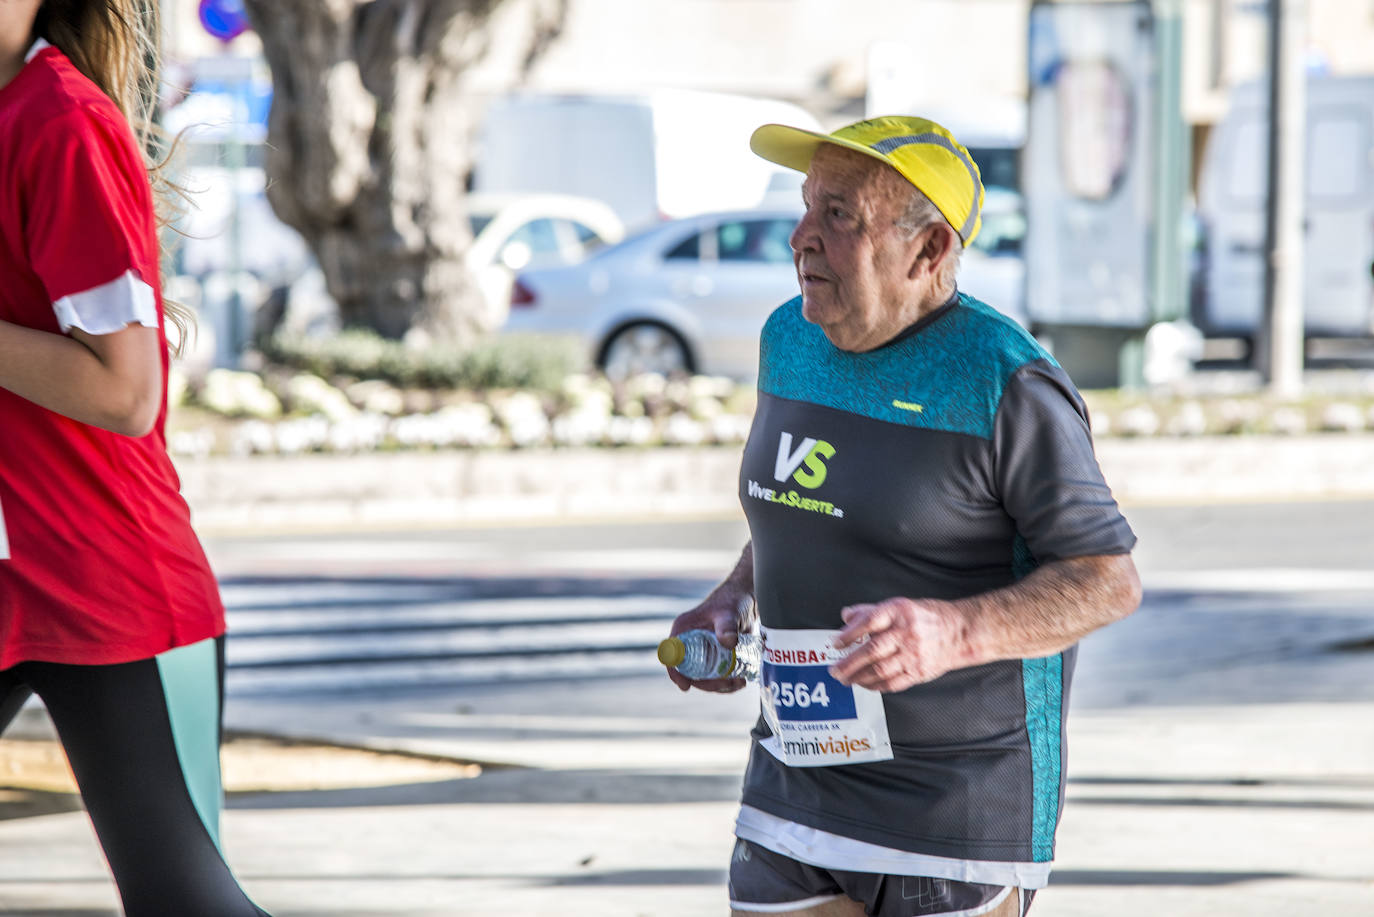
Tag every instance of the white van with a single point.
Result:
(1339, 220)
(659, 155)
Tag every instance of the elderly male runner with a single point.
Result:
(930, 537)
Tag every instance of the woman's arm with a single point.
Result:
(111, 381)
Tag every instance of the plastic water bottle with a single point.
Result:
(697, 654)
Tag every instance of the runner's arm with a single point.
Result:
(911, 641)
(112, 381)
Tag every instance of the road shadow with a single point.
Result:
(21, 802)
(1159, 878)
(1187, 648)
(513, 787)
(425, 590)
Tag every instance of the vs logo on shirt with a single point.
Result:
(810, 452)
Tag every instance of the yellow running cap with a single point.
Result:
(922, 152)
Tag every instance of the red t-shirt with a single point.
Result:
(98, 563)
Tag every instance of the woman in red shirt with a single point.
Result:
(108, 609)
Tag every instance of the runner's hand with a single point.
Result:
(720, 614)
(908, 643)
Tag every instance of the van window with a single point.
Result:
(1337, 155)
(1247, 165)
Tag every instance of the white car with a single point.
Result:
(684, 296)
(512, 232)
(691, 295)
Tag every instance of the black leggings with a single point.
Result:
(143, 739)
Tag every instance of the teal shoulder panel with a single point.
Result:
(947, 376)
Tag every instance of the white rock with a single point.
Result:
(1342, 417)
(1190, 420)
(311, 393)
(1288, 421)
(1140, 420)
(236, 394)
(682, 430)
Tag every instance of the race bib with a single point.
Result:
(816, 721)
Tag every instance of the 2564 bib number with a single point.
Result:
(798, 694)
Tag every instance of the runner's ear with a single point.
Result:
(932, 246)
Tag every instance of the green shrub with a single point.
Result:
(496, 362)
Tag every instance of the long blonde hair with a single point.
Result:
(115, 43)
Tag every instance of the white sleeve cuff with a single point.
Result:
(109, 307)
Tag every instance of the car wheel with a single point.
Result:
(645, 347)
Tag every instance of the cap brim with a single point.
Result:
(793, 147)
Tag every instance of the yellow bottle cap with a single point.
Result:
(671, 652)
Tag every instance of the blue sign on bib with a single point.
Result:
(807, 692)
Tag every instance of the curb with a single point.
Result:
(457, 488)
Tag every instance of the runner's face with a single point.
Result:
(853, 263)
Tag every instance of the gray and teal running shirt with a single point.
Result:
(951, 461)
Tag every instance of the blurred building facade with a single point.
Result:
(824, 54)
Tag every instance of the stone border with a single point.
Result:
(318, 491)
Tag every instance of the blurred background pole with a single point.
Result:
(234, 162)
(1280, 341)
(1173, 153)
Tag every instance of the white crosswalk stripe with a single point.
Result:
(339, 637)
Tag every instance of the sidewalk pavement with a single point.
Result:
(1189, 810)
(319, 492)
(1194, 791)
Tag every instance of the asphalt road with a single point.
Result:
(487, 611)
(1322, 535)
(1222, 739)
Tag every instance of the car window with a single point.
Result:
(585, 234)
(478, 222)
(755, 240)
(775, 241)
(540, 235)
(732, 242)
(1002, 233)
(688, 249)
(999, 166)
(579, 240)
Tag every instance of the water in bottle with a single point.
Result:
(697, 654)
